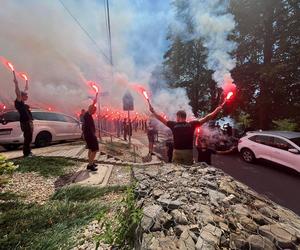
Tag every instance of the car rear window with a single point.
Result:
(11, 116)
(296, 141)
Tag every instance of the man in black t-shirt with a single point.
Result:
(183, 133)
(89, 134)
(25, 118)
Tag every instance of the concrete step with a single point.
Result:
(99, 177)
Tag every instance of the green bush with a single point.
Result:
(285, 124)
(6, 167)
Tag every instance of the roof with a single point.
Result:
(285, 134)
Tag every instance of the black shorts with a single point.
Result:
(92, 143)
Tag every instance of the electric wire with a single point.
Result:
(84, 30)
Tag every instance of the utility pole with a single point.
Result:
(109, 32)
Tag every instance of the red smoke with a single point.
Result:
(229, 90)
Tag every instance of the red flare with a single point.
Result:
(229, 95)
(24, 76)
(95, 88)
(2, 106)
(11, 66)
(145, 94)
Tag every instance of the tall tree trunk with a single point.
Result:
(265, 95)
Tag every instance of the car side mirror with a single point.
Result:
(294, 151)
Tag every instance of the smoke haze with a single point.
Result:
(41, 39)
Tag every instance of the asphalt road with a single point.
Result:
(277, 183)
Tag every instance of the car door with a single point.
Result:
(73, 128)
(48, 121)
(262, 148)
(282, 156)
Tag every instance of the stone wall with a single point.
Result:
(200, 207)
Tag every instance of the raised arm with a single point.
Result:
(26, 86)
(17, 90)
(95, 100)
(213, 114)
(157, 116)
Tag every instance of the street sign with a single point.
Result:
(128, 102)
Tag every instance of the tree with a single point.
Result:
(267, 72)
(184, 66)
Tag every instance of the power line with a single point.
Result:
(85, 31)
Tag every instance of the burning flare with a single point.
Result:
(24, 76)
(10, 65)
(229, 95)
(95, 88)
(145, 94)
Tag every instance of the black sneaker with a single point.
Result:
(91, 167)
(29, 155)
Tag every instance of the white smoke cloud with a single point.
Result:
(213, 24)
(40, 38)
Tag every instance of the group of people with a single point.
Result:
(180, 141)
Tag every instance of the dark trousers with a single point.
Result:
(170, 151)
(125, 132)
(27, 128)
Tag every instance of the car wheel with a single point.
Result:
(247, 155)
(9, 147)
(43, 139)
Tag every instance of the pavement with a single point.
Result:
(77, 151)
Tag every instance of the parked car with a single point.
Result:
(48, 127)
(281, 147)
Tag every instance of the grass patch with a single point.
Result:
(6, 196)
(49, 226)
(119, 230)
(82, 193)
(45, 166)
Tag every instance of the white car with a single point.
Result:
(48, 127)
(281, 147)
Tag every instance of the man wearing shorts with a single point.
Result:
(89, 133)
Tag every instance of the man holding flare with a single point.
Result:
(183, 133)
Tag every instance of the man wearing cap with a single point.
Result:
(183, 133)
(25, 118)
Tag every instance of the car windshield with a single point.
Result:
(296, 141)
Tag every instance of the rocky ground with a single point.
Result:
(200, 207)
(32, 187)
